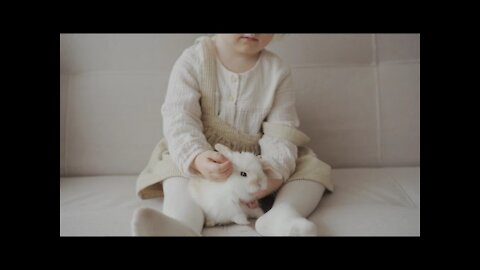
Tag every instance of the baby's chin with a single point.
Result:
(248, 49)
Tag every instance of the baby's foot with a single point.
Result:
(302, 227)
(283, 220)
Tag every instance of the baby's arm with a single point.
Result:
(181, 113)
(281, 153)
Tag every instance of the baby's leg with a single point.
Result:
(178, 209)
(294, 202)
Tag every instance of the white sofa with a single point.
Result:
(358, 98)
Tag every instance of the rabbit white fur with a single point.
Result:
(220, 200)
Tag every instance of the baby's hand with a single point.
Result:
(213, 165)
(272, 186)
(252, 204)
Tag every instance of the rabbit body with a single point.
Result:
(220, 200)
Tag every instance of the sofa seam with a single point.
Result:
(376, 76)
(65, 126)
(404, 192)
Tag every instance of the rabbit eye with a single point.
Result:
(244, 174)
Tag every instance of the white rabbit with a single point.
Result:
(220, 200)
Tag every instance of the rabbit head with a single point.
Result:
(248, 170)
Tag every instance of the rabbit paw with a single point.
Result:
(241, 219)
(210, 222)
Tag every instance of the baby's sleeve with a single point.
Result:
(181, 112)
(279, 152)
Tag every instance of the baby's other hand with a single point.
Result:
(252, 204)
(272, 186)
(213, 165)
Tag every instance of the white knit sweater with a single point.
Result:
(245, 101)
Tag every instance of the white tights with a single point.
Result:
(294, 202)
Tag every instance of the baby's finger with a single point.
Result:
(212, 167)
(226, 173)
(217, 157)
(224, 166)
(253, 204)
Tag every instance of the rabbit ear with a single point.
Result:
(222, 149)
(269, 171)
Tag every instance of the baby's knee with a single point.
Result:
(176, 185)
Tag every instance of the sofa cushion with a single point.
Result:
(377, 202)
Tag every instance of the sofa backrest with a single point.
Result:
(358, 97)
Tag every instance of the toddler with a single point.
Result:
(229, 89)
